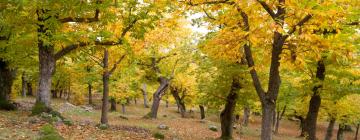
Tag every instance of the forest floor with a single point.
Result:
(19, 125)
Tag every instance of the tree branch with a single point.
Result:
(116, 64)
(299, 24)
(208, 15)
(83, 20)
(267, 8)
(249, 58)
(209, 2)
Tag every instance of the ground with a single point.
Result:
(20, 125)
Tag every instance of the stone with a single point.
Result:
(34, 120)
(163, 127)
(213, 128)
(203, 121)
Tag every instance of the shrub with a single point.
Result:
(159, 135)
(39, 108)
(6, 105)
(48, 132)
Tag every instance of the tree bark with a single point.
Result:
(123, 108)
(90, 94)
(227, 114)
(302, 125)
(357, 131)
(164, 83)
(29, 89)
(145, 95)
(268, 109)
(330, 129)
(246, 116)
(104, 108)
(46, 60)
(23, 85)
(112, 104)
(7, 77)
(340, 133)
(179, 101)
(202, 112)
(314, 106)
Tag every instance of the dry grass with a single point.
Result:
(14, 125)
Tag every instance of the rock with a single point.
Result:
(34, 120)
(163, 127)
(66, 107)
(87, 108)
(213, 128)
(234, 126)
(85, 122)
(103, 126)
(203, 121)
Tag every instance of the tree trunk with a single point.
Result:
(104, 108)
(29, 89)
(166, 103)
(7, 77)
(46, 60)
(23, 85)
(330, 129)
(47, 67)
(202, 112)
(61, 93)
(164, 83)
(268, 108)
(90, 93)
(302, 125)
(135, 101)
(278, 119)
(246, 116)
(357, 131)
(340, 133)
(180, 103)
(227, 115)
(123, 108)
(112, 104)
(314, 106)
(145, 96)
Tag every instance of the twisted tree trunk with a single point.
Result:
(164, 83)
(227, 115)
(314, 106)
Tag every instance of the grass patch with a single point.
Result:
(159, 135)
(6, 105)
(39, 108)
(48, 132)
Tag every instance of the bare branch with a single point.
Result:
(209, 2)
(299, 24)
(267, 8)
(116, 64)
(249, 58)
(208, 15)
